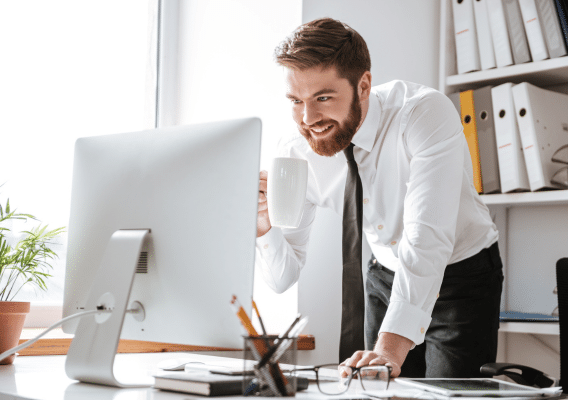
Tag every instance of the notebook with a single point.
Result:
(203, 383)
(515, 316)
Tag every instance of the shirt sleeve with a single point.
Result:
(434, 142)
(281, 253)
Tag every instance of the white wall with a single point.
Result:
(223, 68)
(403, 38)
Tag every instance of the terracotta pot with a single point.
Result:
(12, 316)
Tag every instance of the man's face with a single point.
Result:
(325, 107)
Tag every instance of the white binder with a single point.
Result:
(466, 36)
(516, 27)
(499, 33)
(543, 123)
(534, 30)
(512, 167)
(551, 26)
(484, 39)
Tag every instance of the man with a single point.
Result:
(434, 282)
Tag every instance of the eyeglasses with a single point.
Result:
(335, 379)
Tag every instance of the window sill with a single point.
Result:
(57, 343)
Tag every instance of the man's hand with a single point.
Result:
(262, 221)
(391, 350)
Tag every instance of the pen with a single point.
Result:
(282, 341)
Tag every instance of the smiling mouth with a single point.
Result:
(321, 131)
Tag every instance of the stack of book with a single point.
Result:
(499, 33)
(517, 137)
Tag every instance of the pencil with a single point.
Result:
(259, 318)
(243, 317)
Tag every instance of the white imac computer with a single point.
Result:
(164, 222)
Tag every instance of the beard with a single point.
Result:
(343, 134)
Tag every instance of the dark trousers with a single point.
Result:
(463, 333)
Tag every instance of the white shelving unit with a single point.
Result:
(535, 328)
(533, 228)
(553, 197)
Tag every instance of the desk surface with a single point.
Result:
(43, 377)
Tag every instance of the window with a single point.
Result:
(70, 69)
(225, 70)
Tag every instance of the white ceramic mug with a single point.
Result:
(287, 185)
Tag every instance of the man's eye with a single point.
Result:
(323, 98)
(294, 101)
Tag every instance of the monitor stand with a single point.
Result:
(91, 355)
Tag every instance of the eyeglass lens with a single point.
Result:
(335, 379)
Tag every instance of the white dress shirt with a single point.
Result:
(421, 211)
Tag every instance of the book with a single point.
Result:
(515, 316)
(203, 383)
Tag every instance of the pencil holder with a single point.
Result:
(275, 359)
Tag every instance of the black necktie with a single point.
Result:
(353, 299)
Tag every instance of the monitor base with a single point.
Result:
(91, 355)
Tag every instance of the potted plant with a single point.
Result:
(26, 262)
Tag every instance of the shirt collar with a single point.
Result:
(367, 133)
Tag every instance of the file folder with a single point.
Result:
(533, 29)
(551, 27)
(512, 167)
(499, 33)
(466, 36)
(484, 39)
(470, 132)
(543, 124)
(515, 26)
(455, 98)
(488, 160)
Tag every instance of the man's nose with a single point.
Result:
(311, 115)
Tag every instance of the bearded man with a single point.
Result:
(434, 281)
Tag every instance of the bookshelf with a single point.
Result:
(552, 197)
(535, 328)
(532, 226)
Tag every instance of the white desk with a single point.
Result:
(43, 377)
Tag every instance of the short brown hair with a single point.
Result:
(324, 43)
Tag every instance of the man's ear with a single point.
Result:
(364, 88)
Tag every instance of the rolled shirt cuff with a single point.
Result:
(406, 320)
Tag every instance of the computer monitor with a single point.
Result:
(195, 190)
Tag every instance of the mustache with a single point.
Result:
(320, 124)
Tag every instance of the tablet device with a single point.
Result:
(475, 387)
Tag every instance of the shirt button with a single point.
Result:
(365, 201)
(266, 246)
(422, 330)
(438, 295)
(380, 227)
(393, 242)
